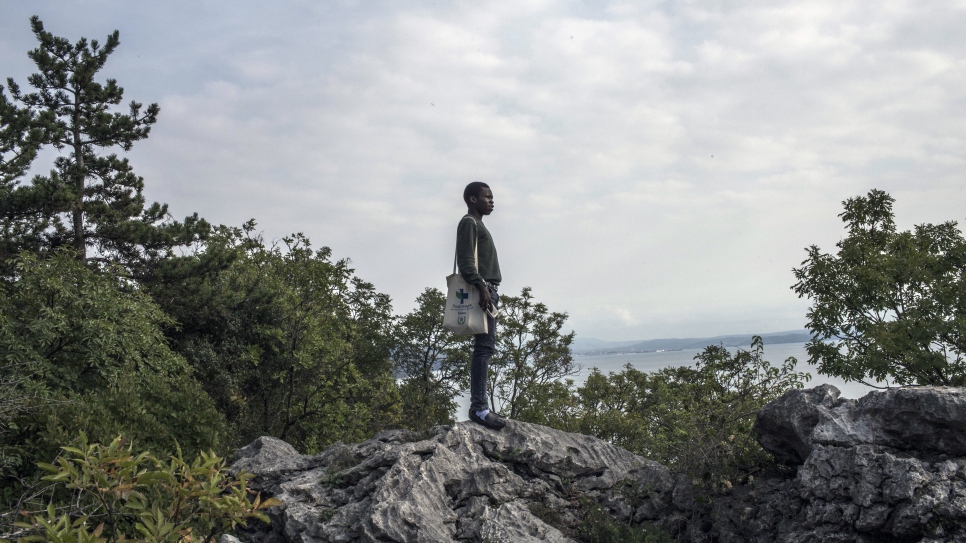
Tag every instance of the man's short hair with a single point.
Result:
(473, 189)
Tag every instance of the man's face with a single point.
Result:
(483, 203)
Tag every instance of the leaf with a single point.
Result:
(271, 502)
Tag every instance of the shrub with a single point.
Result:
(696, 420)
(116, 495)
(87, 353)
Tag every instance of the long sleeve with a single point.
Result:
(472, 237)
(467, 238)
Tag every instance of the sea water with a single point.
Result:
(649, 362)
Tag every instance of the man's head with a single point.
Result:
(478, 198)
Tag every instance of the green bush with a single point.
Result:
(89, 355)
(696, 420)
(433, 363)
(288, 342)
(528, 371)
(117, 495)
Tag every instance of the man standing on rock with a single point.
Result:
(472, 240)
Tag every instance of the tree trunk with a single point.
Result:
(80, 244)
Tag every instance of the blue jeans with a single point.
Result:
(483, 348)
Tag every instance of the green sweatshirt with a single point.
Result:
(469, 233)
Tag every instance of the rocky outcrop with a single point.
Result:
(456, 483)
(889, 467)
(920, 420)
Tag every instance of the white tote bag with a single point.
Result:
(463, 314)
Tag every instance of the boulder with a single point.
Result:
(890, 466)
(930, 420)
(859, 493)
(273, 460)
(785, 426)
(926, 420)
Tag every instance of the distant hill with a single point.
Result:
(582, 344)
(599, 346)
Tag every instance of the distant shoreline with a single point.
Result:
(596, 347)
(600, 353)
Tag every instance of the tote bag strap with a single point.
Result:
(476, 258)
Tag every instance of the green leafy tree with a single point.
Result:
(99, 202)
(532, 356)
(288, 342)
(91, 354)
(889, 305)
(434, 363)
(696, 420)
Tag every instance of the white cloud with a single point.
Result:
(658, 167)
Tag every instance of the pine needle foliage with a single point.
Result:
(92, 200)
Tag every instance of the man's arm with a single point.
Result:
(466, 239)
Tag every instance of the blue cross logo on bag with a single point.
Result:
(462, 296)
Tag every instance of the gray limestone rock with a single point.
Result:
(271, 458)
(930, 420)
(463, 482)
(786, 425)
(842, 494)
(888, 467)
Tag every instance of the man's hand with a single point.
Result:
(485, 302)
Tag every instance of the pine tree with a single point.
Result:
(103, 216)
(22, 207)
(20, 139)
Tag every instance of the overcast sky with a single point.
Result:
(658, 167)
